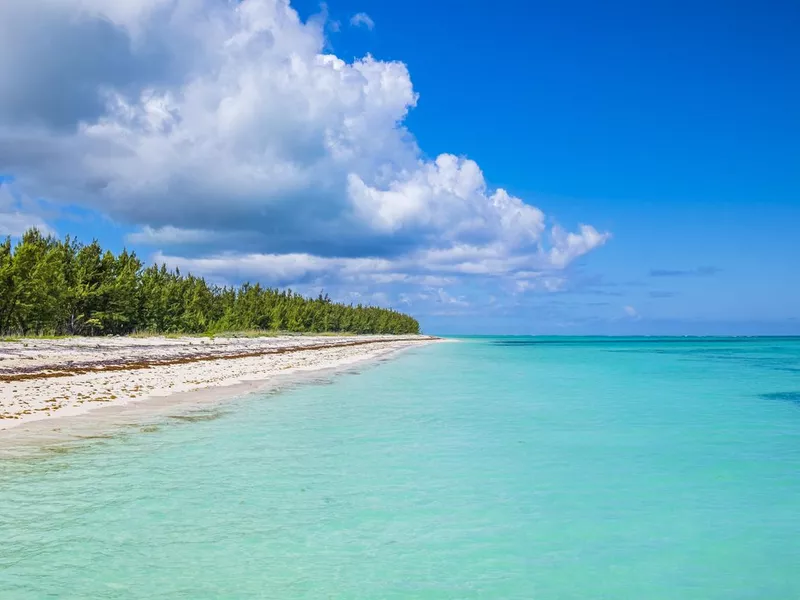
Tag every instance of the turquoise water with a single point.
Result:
(490, 468)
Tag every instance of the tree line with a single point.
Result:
(53, 286)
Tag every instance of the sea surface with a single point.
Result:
(530, 468)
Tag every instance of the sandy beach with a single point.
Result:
(43, 379)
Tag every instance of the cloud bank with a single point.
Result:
(227, 128)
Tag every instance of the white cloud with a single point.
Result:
(444, 297)
(14, 224)
(18, 215)
(631, 312)
(174, 236)
(539, 282)
(569, 246)
(277, 268)
(208, 123)
(362, 19)
(424, 267)
(449, 198)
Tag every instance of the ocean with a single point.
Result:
(516, 467)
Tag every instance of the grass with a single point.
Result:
(248, 333)
(171, 336)
(43, 336)
(251, 333)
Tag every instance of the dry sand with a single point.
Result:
(43, 379)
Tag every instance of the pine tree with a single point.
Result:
(51, 286)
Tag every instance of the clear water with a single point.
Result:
(491, 468)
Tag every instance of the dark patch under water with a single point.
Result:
(197, 417)
(793, 397)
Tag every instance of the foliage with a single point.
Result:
(57, 287)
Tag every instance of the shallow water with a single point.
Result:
(490, 468)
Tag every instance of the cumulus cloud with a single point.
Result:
(206, 123)
(568, 246)
(362, 19)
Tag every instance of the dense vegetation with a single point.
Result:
(52, 286)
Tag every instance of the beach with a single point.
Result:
(42, 379)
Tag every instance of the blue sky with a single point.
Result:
(671, 129)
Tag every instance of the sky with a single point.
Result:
(558, 168)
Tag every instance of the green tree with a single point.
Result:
(55, 286)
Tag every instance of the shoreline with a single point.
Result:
(44, 381)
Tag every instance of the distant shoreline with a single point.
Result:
(49, 378)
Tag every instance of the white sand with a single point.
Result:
(43, 379)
